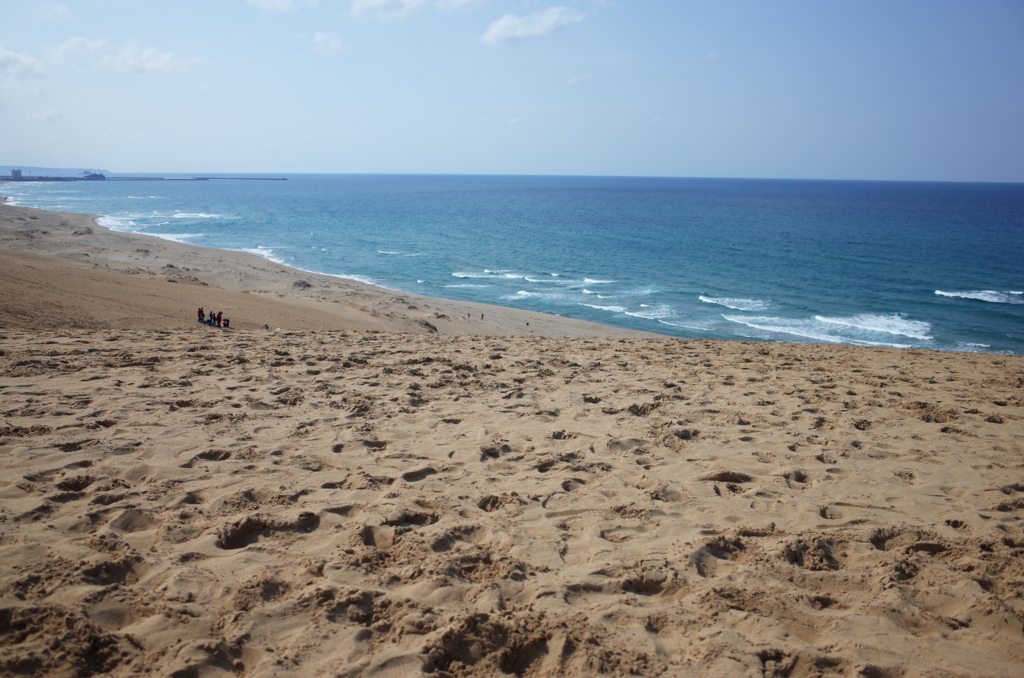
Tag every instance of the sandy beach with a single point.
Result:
(62, 270)
(383, 485)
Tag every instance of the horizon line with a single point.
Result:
(537, 175)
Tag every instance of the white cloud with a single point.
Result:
(514, 121)
(45, 116)
(386, 8)
(58, 13)
(130, 58)
(455, 5)
(327, 44)
(511, 27)
(18, 66)
(273, 5)
(68, 48)
(714, 56)
(577, 79)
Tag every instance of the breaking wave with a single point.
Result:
(737, 304)
(990, 296)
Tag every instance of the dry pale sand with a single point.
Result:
(185, 501)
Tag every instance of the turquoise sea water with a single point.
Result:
(930, 265)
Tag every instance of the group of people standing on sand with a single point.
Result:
(214, 319)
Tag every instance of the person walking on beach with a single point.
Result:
(202, 315)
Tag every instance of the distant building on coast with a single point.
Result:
(17, 175)
(92, 175)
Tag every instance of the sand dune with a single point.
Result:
(186, 501)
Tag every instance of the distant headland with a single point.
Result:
(87, 175)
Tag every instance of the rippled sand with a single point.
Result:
(181, 500)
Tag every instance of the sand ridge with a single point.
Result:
(201, 503)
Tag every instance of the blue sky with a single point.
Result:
(816, 89)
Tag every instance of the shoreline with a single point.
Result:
(251, 290)
(952, 325)
(376, 490)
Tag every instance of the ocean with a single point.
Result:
(901, 264)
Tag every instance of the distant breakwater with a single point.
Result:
(44, 178)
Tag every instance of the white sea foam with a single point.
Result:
(598, 282)
(810, 328)
(399, 253)
(177, 237)
(114, 223)
(357, 278)
(991, 296)
(268, 254)
(971, 347)
(698, 325)
(738, 304)
(567, 283)
(201, 215)
(488, 274)
(653, 312)
(586, 291)
(613, 309)
(549, 296)
(894, 323)
(465, 285)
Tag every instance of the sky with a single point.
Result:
(923, 90)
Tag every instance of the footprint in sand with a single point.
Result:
(134, 520)
(250, 529)
(470, 534)
(831, 513)
(417, 474)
